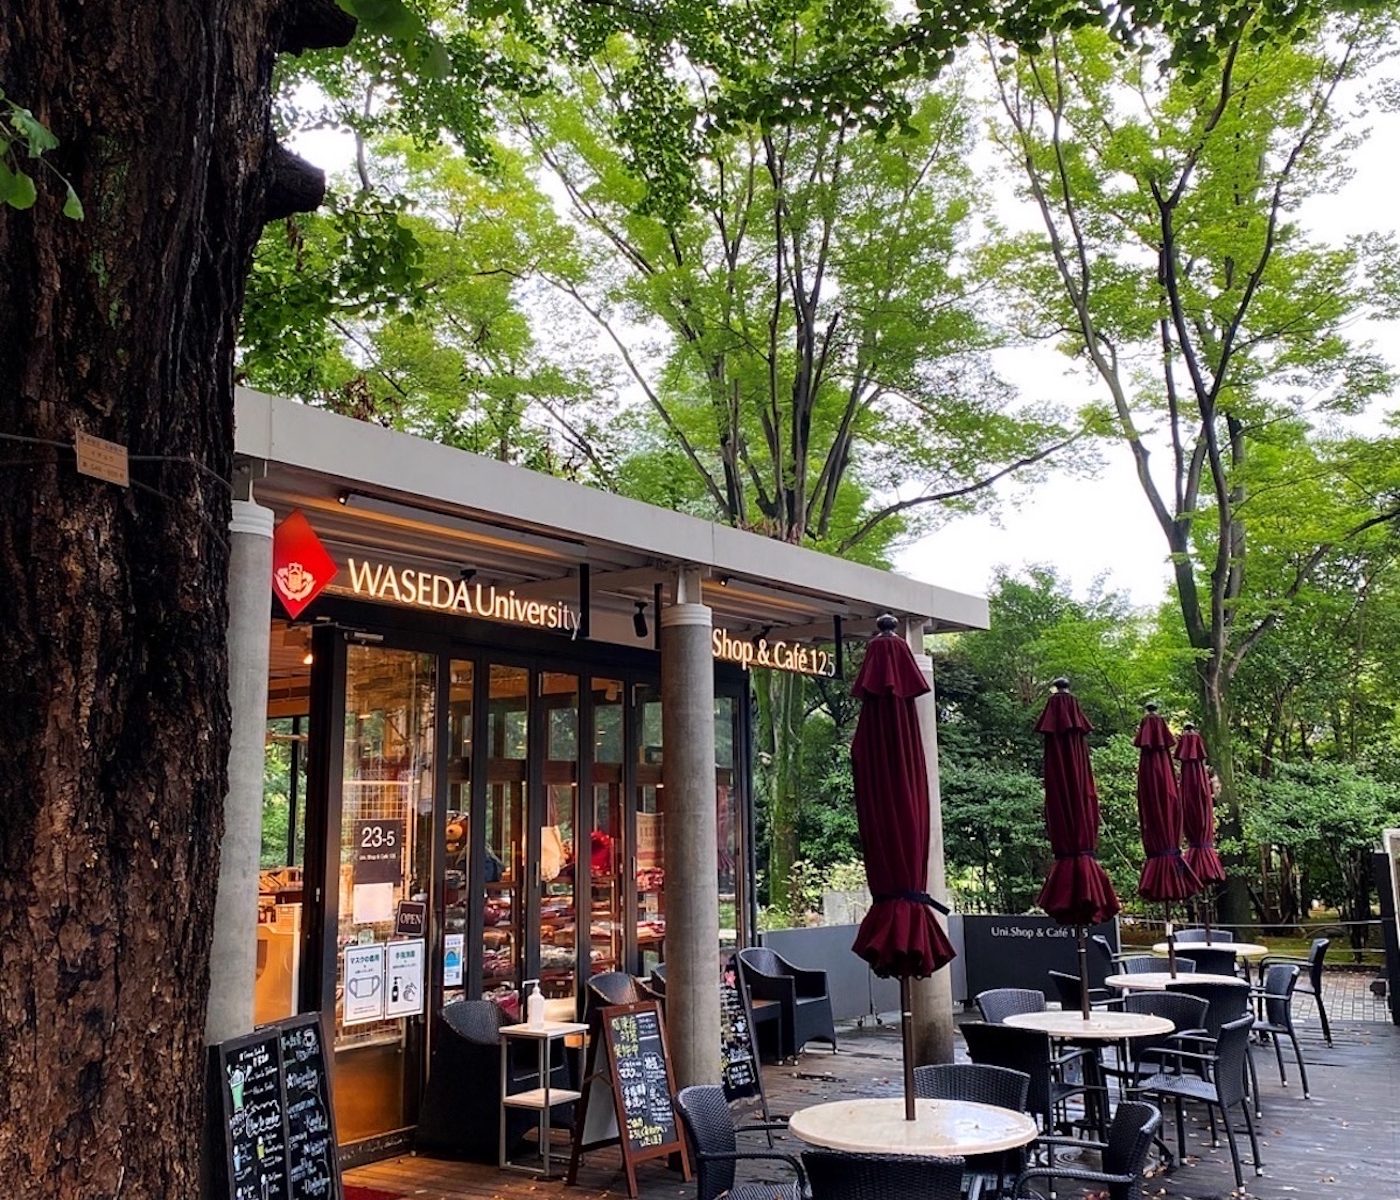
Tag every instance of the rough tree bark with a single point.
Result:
(113, 710)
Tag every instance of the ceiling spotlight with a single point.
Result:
(639, 619)
(343, 498)
(307, 659)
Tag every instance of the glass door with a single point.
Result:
(457, 982)
(503, 866)
(649, 840)
(384, 860)
(556, 865)
(607, 901)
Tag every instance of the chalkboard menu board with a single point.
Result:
(270, 1114)
(643, 1081)
(629, 1072)
(738, 1062)
(312, 1173)
(254, 1116)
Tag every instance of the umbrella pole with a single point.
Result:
(1083, 971)
(1206, 906)
(1171, 938)
(907, 1036)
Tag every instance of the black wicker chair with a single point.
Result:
(1029, 1051)
(997, 1004)
(1208, 960)
(836, 1175)
(1203, 935)
(803, 996)
(1146, 964)
(609, 988)
(1312, 986)
(459, 1118)
(1219, 1083)
(980, 1084)
(714, 1149)
(1186, 1013)
(1225, 1002)
(1070, 991)
(1135, 1125)
(1280, 982)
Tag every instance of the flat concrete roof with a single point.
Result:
(365, 487)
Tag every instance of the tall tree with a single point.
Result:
(1173, 265)
(823, 380)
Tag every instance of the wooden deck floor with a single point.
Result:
(1343, 1144)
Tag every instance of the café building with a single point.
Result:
(498, 727)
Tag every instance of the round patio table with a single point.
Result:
(1158, 981)
(1245, 950)
(941, 1128)
(1116, 1027)
(1100, 1027)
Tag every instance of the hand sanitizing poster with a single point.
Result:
(403, 978)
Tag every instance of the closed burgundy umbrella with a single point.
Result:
(1198, 812)
(899, 936)
(1077, 890)
(1165, 874)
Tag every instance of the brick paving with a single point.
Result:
(1342, 1144)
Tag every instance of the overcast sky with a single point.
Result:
(1102, 526)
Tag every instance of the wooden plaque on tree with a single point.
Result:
(627, 1093)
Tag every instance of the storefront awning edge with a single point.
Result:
(281, 431)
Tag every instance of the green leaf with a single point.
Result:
(438, 63)
(72, 206)
(16, 188)
(32, 130)
(388, 18)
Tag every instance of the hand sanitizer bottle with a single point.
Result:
(534, 1007)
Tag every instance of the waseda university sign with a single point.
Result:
(303, 568)
(442, 593)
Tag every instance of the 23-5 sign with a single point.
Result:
(379, 851)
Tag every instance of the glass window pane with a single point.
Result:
(650, 833)
(727, 821)
(459, 791)
(507, 747)
(558, 915)
(605, 852)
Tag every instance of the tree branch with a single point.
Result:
(869, 525)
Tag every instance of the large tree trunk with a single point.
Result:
(113, 709)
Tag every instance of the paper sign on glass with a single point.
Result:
(364, 985)
(403, 978)
(372, 902)
(455, 945)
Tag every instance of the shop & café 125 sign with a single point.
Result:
(778, 655)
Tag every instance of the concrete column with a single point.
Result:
(691, 837)
(933, 997)
(233, 953)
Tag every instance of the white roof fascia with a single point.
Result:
(297, 435)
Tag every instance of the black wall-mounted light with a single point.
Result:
(639, 619)
(468, 574)
(762, 635)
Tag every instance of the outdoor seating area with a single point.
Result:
(1061, 1086)
(1343, 1143)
